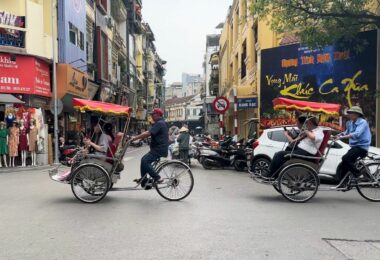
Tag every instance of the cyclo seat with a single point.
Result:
(313, 159)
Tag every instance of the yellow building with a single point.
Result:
(242, 39)
(37, 28)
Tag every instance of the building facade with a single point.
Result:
(241, 41)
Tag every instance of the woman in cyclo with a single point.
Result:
(101, 140)
(310, 141)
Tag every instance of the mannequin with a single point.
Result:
(33, 139)
(13, 140)
(23, 142)
(3, 143)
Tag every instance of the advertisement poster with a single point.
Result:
(335, 74)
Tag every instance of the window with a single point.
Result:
(243, 58)
(256, 40)
(76, 37)
(73, 33)
(278, 136)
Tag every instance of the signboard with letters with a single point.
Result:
(336, 74)
(246, 103)
(12, 37)
(71, 81)
(24, 75)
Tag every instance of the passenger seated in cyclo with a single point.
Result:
(293, 134)
(159, 146)
(310, 141)
(101, 140)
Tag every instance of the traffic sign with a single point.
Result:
(221, 105)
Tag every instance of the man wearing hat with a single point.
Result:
(159, 133)
(359, 135)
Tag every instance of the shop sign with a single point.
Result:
(24, 75)
(335, 74)
(71, 81)
(245, 103)
(12, 37)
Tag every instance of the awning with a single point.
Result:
(100, 107)
(315, 107)
(9, 99)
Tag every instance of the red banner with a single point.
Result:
(24, 75)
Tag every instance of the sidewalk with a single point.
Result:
(25, 169)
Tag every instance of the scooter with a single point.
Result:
(67, 153)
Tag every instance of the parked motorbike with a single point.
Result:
(67, 153)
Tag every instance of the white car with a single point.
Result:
(273, 140)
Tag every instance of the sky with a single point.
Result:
(180, 28)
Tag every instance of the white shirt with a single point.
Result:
(312, 146)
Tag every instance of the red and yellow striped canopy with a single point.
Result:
(100, 107)
(306, 106)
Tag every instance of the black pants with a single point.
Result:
(349, 160)
(184, 155)
(279, 159)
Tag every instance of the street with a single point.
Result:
(227, 216)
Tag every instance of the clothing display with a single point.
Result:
(3, 141)
(33, 133)
(23, 145)
(13, 139)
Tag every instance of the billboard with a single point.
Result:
(335, 74)
(12, 37)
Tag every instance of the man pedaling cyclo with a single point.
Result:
(309, 140)
(158, 147)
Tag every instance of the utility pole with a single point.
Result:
(53, 12)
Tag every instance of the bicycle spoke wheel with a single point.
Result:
(369, 187)
(178, 181)
(90, 183)
(298, 183)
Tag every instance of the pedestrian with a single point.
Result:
(184, 144)
(359, 135)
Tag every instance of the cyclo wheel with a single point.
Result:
(178, 180)
(298, 183)
(365, 188)
(90, 183)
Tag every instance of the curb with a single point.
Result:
(25, 169)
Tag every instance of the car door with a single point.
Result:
(276, 141)
(334, 157)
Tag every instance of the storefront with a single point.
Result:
(27, 79)
(71, 83)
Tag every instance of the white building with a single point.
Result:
(190, 81)
(174, 90)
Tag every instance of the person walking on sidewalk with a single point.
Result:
(359, 135)
(158, 146)
(184, 144)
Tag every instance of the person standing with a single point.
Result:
(359, 135)
(184, 143)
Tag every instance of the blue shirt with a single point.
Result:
(160, 138)
(359, 132)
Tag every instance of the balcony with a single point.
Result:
(118, 10)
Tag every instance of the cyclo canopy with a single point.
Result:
(101, 107)
(306, 106)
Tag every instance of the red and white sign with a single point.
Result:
(25, 75)
(221, 105)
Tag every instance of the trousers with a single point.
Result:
(279, 159)
(147, 167)
(349, 160)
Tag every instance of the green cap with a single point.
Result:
(355, 109)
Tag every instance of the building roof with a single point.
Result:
(178, 100)
(289, 39)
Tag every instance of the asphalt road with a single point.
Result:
(227, 216)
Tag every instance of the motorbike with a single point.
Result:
(67, 154)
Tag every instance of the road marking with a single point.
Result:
(126, 159)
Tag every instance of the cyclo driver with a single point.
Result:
(158, 147)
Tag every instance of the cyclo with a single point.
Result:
(92, 177)
(298, 180)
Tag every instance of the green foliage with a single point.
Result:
(318, 23)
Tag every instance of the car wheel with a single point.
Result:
(260, 166)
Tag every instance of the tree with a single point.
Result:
(318, 23)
